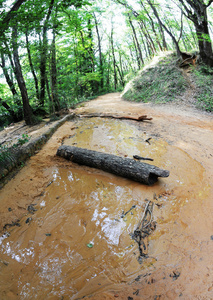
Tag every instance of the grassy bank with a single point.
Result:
(162, 81)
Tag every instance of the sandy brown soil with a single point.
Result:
(183, 245)
(191, 131)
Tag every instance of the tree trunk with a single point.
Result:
(204, 43)
(149, 42)
(89, 48)
(54, 86)
(7, 76)
(114, 61)
(136, 53)
(193, 35)
(100, 53)
(31, 65)
(165, 47)
(198, 15)
(8, 108)
(124, 167)
(147, 53)
(121, 75)
(28, 115)
(16, 116)
(120, 69)
(43, 71)
(43, 54)
(136, 41)
(153, 26)
(163, 25)
(10, 14)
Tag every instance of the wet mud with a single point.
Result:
(67, 230)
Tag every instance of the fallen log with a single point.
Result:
(124, 167)
(134, 118)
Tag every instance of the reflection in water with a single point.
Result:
(78, 209)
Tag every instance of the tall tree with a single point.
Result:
(4, 22)
(140, 57)
(174, 39)
(31, 64)
(43, 54)
(196, 11)
(114, 60)
(53, 68)
(28, 115)
(100, 52)
(7, 76)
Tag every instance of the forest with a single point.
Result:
(55, 54)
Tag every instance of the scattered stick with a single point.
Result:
(16, 223)
(148, 141)
(125, 213)
(143, 230)
(142, 158)
(140, 118)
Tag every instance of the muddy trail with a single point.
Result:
(67, 231)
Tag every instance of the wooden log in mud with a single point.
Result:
(124, 167)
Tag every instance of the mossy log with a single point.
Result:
(124, 167)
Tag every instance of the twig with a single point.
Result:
(140, 118)
(142, 158)
(143, 230)
(125, 213)
(148, 140)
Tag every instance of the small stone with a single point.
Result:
(211, 237)
(28, 220)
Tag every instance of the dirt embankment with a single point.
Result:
(180, 251)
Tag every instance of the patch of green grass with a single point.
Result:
(203, 78)
(160, 82)
(24, 139)
(5, 151)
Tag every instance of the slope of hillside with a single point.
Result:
(163, 81)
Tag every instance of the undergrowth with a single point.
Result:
(5, 152)
(158, 82)
(203, 78)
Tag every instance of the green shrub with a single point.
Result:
(203, 78)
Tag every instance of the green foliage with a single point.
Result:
(203, 78)
(90, 83)
(5, 151)
(24, 139)
(81, 71)
(5, 95)
(158, 83)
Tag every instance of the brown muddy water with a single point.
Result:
(70, 239)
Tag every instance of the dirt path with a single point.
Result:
(191, 131)
(180, 256)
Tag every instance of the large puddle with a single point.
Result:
(75, 239)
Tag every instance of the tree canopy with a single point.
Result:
(56, 53)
